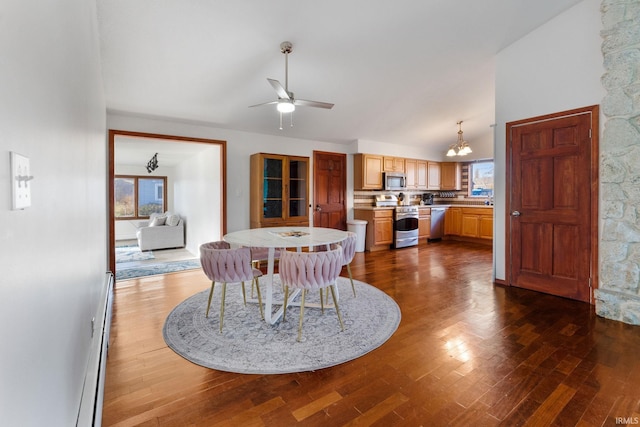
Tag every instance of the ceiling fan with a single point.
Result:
(286, 102)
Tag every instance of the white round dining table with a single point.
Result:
(282, 237)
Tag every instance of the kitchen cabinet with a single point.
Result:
(485, 230)
(450, 176)
(453, 221)
(476, 223)
(470, 225)
(367, 172)
(279, 193)
(416, 171)
(392, 164)
(379, 233)
(433, 176)
(424, 224)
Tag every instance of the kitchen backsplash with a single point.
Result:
(367, 198)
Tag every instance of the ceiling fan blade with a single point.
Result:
(280, 90)
(263, 103)
(316, 104)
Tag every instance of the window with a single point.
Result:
(481, 179)
(139, 197)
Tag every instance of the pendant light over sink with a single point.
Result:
(460, 148)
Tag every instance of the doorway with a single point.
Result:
(552, 203)
(330, 186)
(219, 211)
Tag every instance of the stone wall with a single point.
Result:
(618, 296)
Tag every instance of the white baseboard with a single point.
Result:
(90, 411)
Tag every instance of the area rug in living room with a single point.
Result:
(249, 345)
(124, 273)
(131, 253)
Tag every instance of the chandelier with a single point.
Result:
(460, 148)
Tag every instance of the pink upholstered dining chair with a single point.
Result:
(225, 265)
(260, 255)
(348, 252)
(310, 271)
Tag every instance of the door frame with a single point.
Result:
(594, 111)
(111, 176)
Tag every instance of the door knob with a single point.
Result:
(318, 208)
(515, 213)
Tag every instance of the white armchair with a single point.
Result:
(163, 231)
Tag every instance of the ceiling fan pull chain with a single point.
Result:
(291, 115)
(280, 120)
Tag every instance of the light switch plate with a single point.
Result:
(20, 181)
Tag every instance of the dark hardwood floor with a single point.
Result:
(466, 353)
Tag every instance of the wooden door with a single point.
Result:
(330, 186)
(552, 203)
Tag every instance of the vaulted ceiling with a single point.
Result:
(397, 71)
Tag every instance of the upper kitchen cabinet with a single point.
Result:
(367, 171)
(393, 164)
(416, 171)
(279, 193)
(433, 176)
(450, 178)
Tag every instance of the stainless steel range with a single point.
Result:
(405, 226)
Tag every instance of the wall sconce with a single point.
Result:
(153, 163)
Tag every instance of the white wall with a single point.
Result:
(54, 253)
(482, 148)
(240, 145)
(554, 68)
(198, 192)
(389, 149)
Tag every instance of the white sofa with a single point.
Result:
(163, 231)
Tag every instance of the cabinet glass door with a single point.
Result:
(297, 188)
(272, 188)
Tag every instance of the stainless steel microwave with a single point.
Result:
(394, 180)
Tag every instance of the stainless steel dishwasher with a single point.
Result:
(437, 224)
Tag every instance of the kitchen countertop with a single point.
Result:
(439, 205)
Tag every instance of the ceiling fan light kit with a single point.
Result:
(286, 106)
(460, 148)
(286, 102)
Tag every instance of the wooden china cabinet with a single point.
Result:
(279, 194)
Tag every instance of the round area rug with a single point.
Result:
(249, 345)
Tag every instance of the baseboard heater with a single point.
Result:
(90, 411)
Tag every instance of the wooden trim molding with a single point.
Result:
(111, 171)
